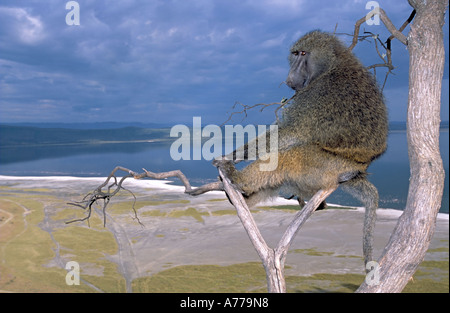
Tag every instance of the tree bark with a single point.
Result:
(411, 237)
(273, 259)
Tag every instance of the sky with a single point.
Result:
(166, 61)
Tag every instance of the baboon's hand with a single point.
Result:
(228, 169)
(225, 165)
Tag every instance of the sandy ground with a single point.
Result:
(329, 242)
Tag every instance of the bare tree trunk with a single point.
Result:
(411, 237)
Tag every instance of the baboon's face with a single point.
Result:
(311, 55)
(300, 73)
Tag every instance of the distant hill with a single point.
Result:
(91, 133)
(90, 126)
(22, 135)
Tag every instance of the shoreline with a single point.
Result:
(177, 231)
(166, 185)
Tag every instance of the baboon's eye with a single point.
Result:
(296, 53)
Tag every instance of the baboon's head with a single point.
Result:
(312, 55)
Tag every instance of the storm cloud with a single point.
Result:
(167, 61)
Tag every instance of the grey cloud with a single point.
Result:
(144, 60)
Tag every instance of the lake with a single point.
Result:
(390, 173)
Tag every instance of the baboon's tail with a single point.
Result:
(367, 193)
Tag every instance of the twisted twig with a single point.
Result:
(99, 194)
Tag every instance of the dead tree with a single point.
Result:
(411, 237)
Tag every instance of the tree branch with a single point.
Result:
(301, 217)
(406, 23)
(246, 107)
(386, 57)
(386, 21)
(99, 194)
(245, 216)
(273, 259)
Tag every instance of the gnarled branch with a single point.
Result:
(112, 189)
(246, 107)
(396, 33)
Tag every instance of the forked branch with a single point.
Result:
(386, 56)
(273, 259)
(396, 33)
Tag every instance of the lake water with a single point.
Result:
(390, 173)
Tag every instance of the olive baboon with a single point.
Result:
(334, 128)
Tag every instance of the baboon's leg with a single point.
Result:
(303, 169)
(367, 193)
(254, 184)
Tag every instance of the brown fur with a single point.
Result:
(335, 127)
(337, 124)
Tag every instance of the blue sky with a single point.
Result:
(167, 61)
